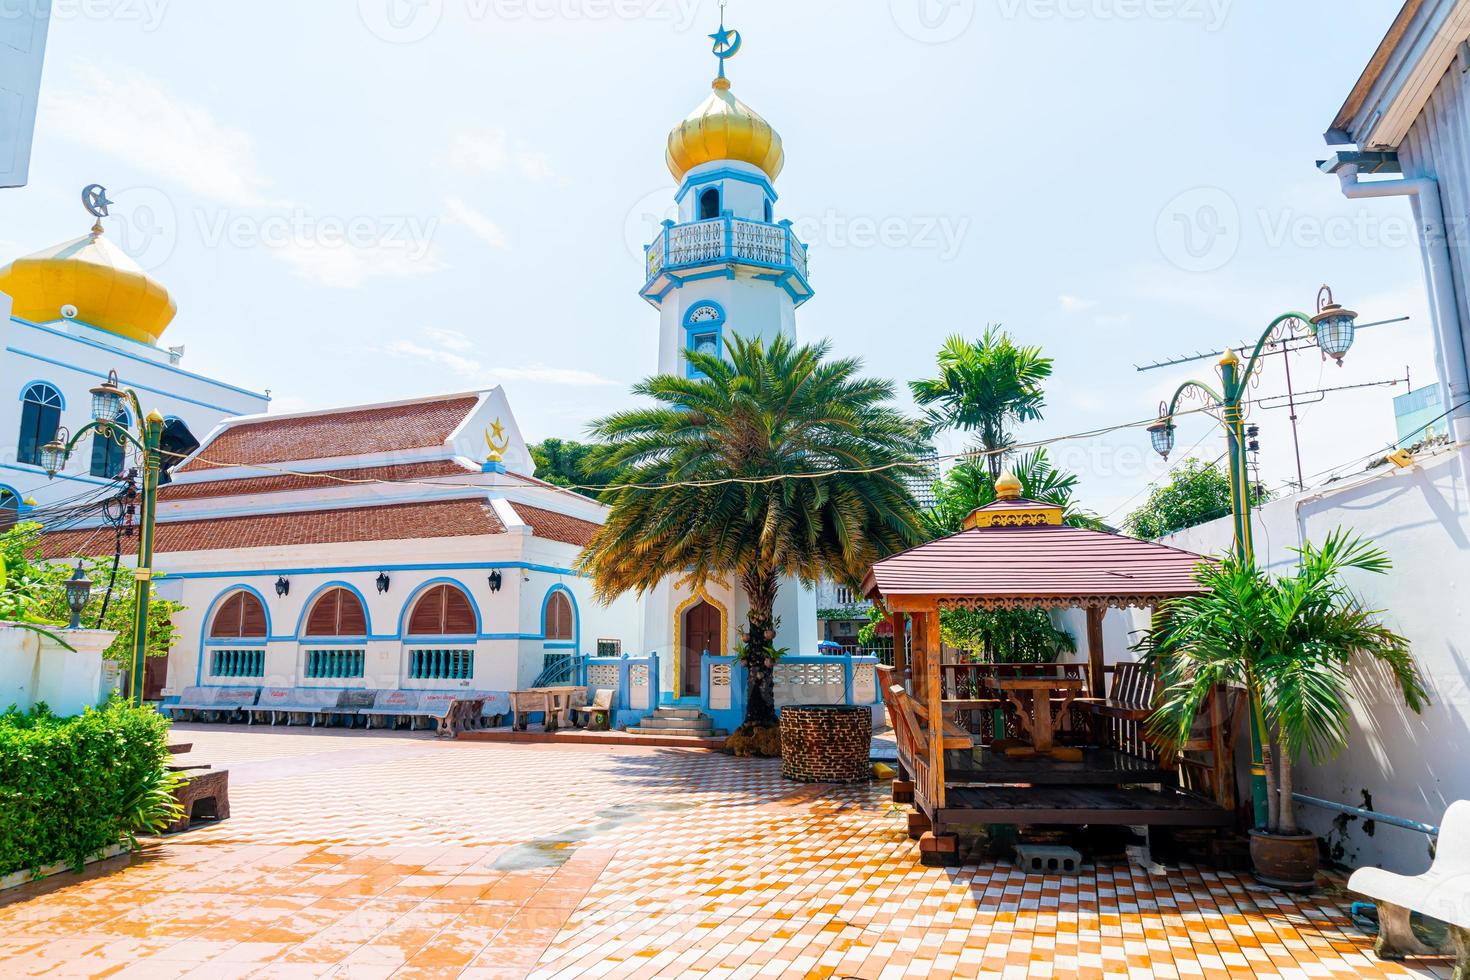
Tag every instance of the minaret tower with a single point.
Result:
(727, 265)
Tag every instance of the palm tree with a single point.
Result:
(773, 463)
(1290, 643)
(984, 386)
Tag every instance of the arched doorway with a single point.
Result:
(701, 633)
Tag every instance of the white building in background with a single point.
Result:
(725, 267)
(371, 548)
(1401, 133)
(23, 28)
(69, 315)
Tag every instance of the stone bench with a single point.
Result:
(206, 702)
(1442, 892)
(205, 796)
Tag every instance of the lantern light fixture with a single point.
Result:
(283, 586)
(54, 455)
(383, 582)
(107, 400)
(496, 581)
(1334, 326)
(1162, 435)
(78, 592)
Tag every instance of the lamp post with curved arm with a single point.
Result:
(108, 400)
(1333, 328)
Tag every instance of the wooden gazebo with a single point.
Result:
(1018, 554)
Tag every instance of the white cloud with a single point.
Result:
(493, 152)
(453, 351)
(449, 360)
(450, 339)
(129, 116)
(549, 375)
(1072, 304)
(347, 266)
(480, 225)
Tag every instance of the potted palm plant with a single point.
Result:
(1292, 642)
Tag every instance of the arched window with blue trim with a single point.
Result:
(704, 327)
(109, 450)
(40, 417)
(709, 204)
(9, 502)
(558, 617)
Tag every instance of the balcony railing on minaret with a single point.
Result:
(726, 239)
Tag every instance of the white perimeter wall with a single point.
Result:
(1410, 765)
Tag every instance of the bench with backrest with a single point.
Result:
(391, 705)
(596, 716)
(450, 711)
(350, 704)
(1442, 892)
(1119, 719)
(495, 706)
(311, 703)
(194, 699)
(211, 703)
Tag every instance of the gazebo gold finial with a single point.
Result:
(1008, 487)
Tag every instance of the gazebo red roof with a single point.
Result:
(1035, 566)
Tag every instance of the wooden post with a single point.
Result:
(935, 692)
(900, 655)
(1223, 749)
(1097, 686)
(919, 654)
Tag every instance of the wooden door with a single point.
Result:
(155, 676)
(701, 634)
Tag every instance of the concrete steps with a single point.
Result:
(678, 722)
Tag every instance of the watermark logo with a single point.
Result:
(1199, 230)
(147, 14)
(145, 226)
(1209, 14)
(933, 21)
(401, 21)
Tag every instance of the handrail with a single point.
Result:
(725, 239)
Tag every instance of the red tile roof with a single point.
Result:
(312, 481)
(324, 435)
(1036, 562)
(394, 522)
(557, 527)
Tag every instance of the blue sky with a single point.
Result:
(1117, 181)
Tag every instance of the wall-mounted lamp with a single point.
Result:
(383, 581)
(495, 581)
(283, 586)
(78, 591)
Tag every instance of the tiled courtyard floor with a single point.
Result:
(356, 855)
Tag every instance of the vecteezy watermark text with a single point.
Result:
(411, 21)
(1210, 14)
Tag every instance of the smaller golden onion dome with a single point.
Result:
(109, 290)
(1008, 487)
(1230, 357)
(724, 128)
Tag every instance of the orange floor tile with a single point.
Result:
(362, 855)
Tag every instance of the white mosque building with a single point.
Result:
(69, 315)
(726, 266)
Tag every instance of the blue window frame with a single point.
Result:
(9, 498)
(768, 210)
(109, 452)
(709, 204)
(704, 327)
(40, 417)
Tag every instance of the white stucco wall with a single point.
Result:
(1410, 765)
(73, 358)
(35, 669)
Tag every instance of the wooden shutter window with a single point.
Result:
(558, 624)
(240, 616)
(443, 611)
(337, 613)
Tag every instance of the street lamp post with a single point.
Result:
(108, 400)
(1333, 328)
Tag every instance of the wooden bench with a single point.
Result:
(597, 716)
(1442, 892)
(1130, 696)
(203, 797)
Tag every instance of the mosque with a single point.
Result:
(404, 544)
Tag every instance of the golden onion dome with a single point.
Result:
(108, 289)
(724, 128)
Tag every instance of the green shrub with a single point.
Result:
(70, 787)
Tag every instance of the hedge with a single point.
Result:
(70, 787)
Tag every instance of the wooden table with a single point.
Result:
(554, 703)
(1032, 697)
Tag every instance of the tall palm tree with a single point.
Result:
(772, 463)
(1290, 643)
(984, 386)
